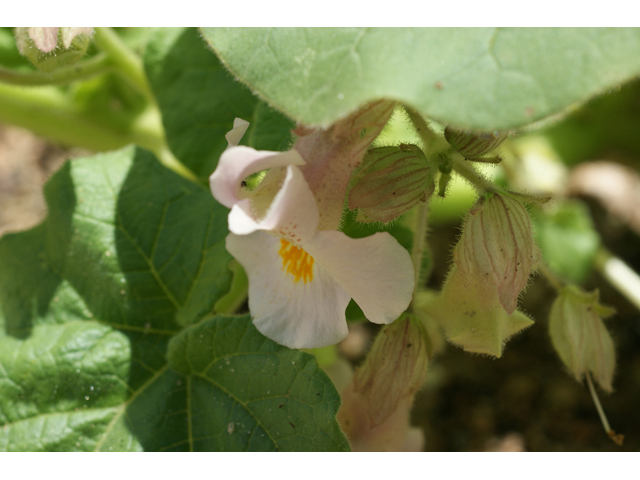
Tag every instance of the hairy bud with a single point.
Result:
(497, 244)
(389, 182)
(492, 263)
(473, 145)
(51, 47)
(376, 406)
(579, 336)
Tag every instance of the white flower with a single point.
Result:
(301, 278)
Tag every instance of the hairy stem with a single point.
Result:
(81, 71)
(427, 136)
(471, 175)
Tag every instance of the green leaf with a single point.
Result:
(274, 398)
(129, 255)
(567, 240)
(481, 78)
(199, 100)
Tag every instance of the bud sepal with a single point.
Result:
(475, 145)
(51, 47)
(389, 182)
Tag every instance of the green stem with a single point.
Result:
(618, 274)
(48, 112)
(469, 173)
(81, 71)
(128, 63)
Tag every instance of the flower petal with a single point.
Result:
(234, 135)
(45, 38)
(376, 271)
(297, 314)
(293, 212)
(237, 163)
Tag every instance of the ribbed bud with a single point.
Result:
(579, 336)
(376, 406)
(497, 245)
(51, 47)
(389, 182)
(471, 144)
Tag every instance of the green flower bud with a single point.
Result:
(376, 406)
(51, 47)
(473, 145)
(389, 182)
(579, 336)
(497, 245)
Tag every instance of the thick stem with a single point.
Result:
(81, 71)
(48, 112)
(128, 63)
(618, 274)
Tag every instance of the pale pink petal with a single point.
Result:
(237, 132)
(45, 38)
(376, 271)
(69, 33)
(237, 163)
(298, 314)
(293, 212)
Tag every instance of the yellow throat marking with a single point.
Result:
(296, 261)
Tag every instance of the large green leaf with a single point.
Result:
(481, 78)
(129, 255)
(272, 395)
(199, 100)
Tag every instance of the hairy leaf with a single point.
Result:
(480, 78)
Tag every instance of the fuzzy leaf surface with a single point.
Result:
(478, 78)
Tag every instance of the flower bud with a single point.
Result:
(51, 47)
(497, 245)
(473, 145)
(389, 182)
(579, 336)
(376, 406)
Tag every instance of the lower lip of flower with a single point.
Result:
(296, 261)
